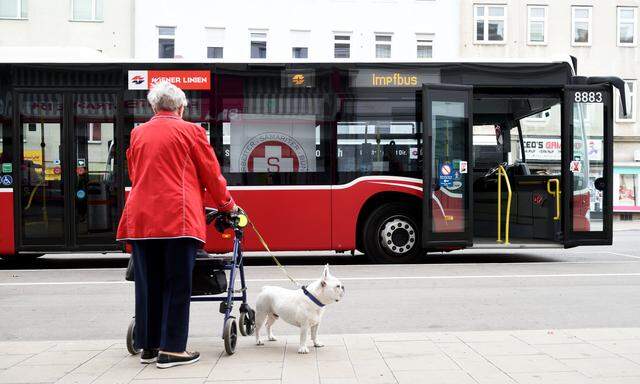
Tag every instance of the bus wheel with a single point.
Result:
(392, 234)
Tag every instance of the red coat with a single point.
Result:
(170, 165)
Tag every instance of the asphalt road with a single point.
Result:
(85, 297)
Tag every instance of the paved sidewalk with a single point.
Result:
(555, 356)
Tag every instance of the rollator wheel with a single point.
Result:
(247, 323)
(131, 335)
(230, 336)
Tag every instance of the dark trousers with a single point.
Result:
(162, 272)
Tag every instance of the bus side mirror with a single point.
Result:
(599, 184)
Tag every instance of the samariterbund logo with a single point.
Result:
(273, 152)
(188, 80)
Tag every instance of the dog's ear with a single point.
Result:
(325, 275)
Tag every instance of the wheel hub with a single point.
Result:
(398, 235)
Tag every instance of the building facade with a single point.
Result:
(66, 29)
(601, 34)
(289, 30)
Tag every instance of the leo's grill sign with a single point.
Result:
(551, 149)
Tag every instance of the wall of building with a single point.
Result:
(360, 18)
(49, 25)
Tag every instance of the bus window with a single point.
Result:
(377, 136)
(6, 165)
(541, 140)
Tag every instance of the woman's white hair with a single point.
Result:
(165, 96)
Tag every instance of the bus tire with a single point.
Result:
(391, 234)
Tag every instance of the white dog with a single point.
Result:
(302, 307)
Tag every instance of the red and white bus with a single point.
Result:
(391, 159)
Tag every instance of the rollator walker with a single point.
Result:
(210, 282)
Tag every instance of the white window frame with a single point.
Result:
(19, 6)
(94, 10)
(588, 20)
(167, 37)
(635, 26)
(253, 37)
(633, 103)
(486, 18)
(90, 138)
(300, 39)
(214, 43)
(343, 41)
(424, 40)
(387, 43)
(531, 19)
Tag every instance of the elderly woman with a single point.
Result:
(171, 165)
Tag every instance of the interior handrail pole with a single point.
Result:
(499, 205)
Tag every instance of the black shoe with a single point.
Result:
(166, 360)
(149, 356)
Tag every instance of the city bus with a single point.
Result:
(395, 160)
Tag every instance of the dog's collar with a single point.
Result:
(311, 297)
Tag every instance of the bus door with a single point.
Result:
(587, 165)
(448, 127)
(68, 196)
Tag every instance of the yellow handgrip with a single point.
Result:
(503, 173)
(242, 221)
(556, 194)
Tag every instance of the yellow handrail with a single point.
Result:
(555, 194)
(502, 172)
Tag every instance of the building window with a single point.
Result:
(86, 10)
(300, 44)
(630, 118)
(581, 17)
(215, 42)
(490, 21)
(424, 46)
(258, 45)
(166, 42)
(342, 46)
(13, 9)
(627, 26)
(300, 52)
(537, 24)
(383, 46)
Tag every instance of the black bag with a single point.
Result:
(208, 280)
(128, 275)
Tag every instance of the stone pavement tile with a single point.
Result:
(619, 346)
(390, 349)
(298, 368)
(593, 334)
(417, 336)
(34, 373)
(257, 354)
(242, 370)
(604, 367)
(615, 380)
(433, 377)
(506, 347)
(200, 369)
(573, 351)
(528, 363)
(122, 372)
(364, 355)
(76, 358)
(423, 363)
(332, 353)
(7, 361)
(484, 336)
(85, 345)
(374, 372)
(635, 357)
(325, 339)
(459, 350)
(340, 380)
(483, 371)
(358, 341)
(245, 382)
(336, 369)
(77, 378)
(551, 378)
(549, 336)
(24, 348)
(94, 368)
(169, 381)
(443, 337)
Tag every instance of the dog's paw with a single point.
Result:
(272, 338)
(318, 344)
(259, 342)
(303, 350)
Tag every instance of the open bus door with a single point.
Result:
(587, 165)
(447, 169)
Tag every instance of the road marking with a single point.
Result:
(624, 254)
(394, 278)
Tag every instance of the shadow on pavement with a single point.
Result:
(110, 261)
